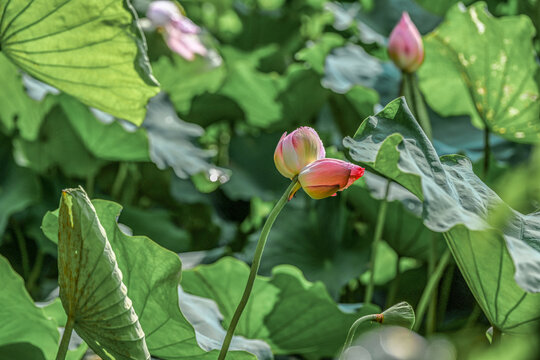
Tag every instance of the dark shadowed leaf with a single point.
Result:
(105, 141)
(320, 239)
(19, 188)
(24, 329)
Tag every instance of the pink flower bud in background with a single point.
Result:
(296, 150)
(181, 34)
(405, 46)
(326, 177)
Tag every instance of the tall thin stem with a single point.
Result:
(394, 286)
(496, 336)
(381, 216)
(121, 175)
(354, 326)
(254, 268)
(432, 284)
(411, 91)
(432, 309)
(64, 343)
(21, 241)
(487, 150)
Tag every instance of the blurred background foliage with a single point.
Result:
(198, 176)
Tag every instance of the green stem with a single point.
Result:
(352, 330)
(431, 316)
(121, 175)
(487, 150)
(89, 187)
(254, 268)
(496, 336)
(446, 286)
(376, 239)
(394, 286)
(36, 271)
(64, 343)
(21, 241)
(430, 288)
(411, 91)
(473, 317)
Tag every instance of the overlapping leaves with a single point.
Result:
(151, 275)
(286, 310)
(459, 204)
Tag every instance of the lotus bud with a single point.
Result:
(326, 177)
(297, 150)
(405, 46)
(180, 33)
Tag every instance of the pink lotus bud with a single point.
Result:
(326, 177)
(405, 46)
(297, 150)
(181, 34)
(161, 13)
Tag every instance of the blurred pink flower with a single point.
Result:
(405, 45)
(180, 33)
(297, 150)
(326, 177)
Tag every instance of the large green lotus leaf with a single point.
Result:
(92, 50)
(19, 188)
(49, 149)
(183, 80)
(151, 275)
(22, 321)
(105, 141)
(91, 286)
(16, 104)
(288, 312)
(484, 67)
(458, 203)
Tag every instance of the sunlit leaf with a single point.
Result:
(91, 50)
(483, 67)
(458, 203)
